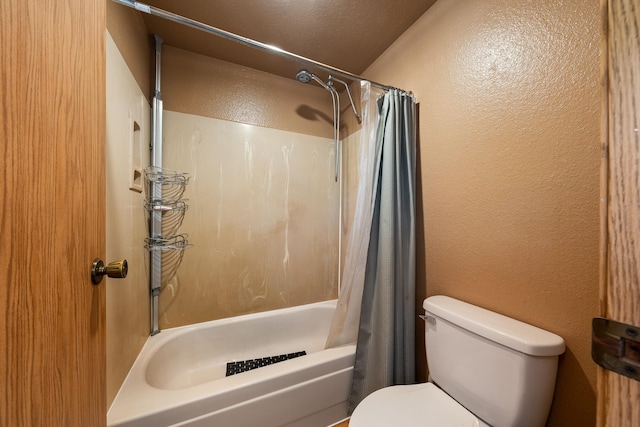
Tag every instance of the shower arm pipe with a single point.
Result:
(337, 155)
(151, 10)
(346, 86)
(336, 141)
(335, 101)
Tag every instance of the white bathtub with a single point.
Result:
(179, 376)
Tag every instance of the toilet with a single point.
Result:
(485, 369)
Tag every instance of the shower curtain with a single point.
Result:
(385, 353)
(344, 327)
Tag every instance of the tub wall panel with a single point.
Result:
(263, 216)
(127, 305)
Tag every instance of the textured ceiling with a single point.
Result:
(347, 34)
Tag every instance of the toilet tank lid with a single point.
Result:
(501, 329)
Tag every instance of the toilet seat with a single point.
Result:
(416, 405)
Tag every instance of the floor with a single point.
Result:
(344, 423)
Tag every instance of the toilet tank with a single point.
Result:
(501, 369)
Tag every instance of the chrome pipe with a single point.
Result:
(353, 105)
(151, 10)
(155, 225)
(336, 141)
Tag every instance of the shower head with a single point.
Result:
(304, 76)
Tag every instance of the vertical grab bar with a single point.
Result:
(155, 222)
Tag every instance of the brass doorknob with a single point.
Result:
(115, 269)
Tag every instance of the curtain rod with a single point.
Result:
(151, 10)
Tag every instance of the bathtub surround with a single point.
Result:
(263, 203)
(128, 58)
(263, 218)
(127, 299)
(214, 89)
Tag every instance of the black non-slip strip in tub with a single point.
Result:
(247, 365)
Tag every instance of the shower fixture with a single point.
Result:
(305, 76)
(346, 86)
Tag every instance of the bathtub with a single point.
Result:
(179, 376)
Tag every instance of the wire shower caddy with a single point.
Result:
(165, 203)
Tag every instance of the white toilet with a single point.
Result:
(485, 369)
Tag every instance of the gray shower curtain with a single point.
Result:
(385, 353)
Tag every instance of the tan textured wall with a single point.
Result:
(509, 157)
(509, 166)
(197, 84)
(127, 306)
(134, 43)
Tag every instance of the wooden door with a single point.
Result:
(52, 212)
(619, 396)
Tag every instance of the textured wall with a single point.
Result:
(127, 28)
(197, 84)
(509, 166)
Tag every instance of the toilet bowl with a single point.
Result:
(485, 369)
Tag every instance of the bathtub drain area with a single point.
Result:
(237, 367)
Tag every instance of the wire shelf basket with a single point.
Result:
(172, 250)
(172, 184)
(171, 211)
(165, 210)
